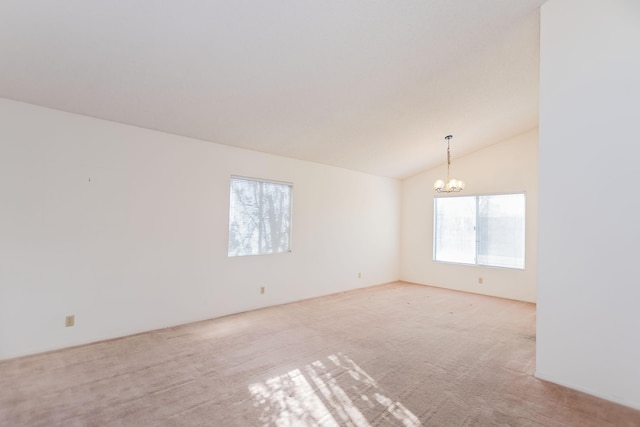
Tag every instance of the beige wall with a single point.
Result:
(588, 288)
(143, 244)
(505, 167)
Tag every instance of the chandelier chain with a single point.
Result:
(448, 159)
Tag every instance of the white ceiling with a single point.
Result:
(369, 85)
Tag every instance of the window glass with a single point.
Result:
(259, 217)
(484, 230)
(455, 229)
(501, 230)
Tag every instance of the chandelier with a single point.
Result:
(452, 184)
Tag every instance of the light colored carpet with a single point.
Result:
(391, 355)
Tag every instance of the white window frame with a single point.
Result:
(231, 212)
(476, 261)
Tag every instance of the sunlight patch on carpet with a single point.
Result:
(332, 392)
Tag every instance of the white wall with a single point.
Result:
(588, 288)
(506, 167)
(143, 245)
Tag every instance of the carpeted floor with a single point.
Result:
(391, 355)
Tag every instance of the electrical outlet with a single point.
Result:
(70, 321)
(480, 280)
(262, 289)
(359, 275)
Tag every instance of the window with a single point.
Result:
(259, 217)
(483, 230)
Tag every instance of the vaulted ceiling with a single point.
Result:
(369, 85)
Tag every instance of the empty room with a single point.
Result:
(357, 213)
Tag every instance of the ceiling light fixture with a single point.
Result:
(452, 184)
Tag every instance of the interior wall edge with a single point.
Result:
(611, 398)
